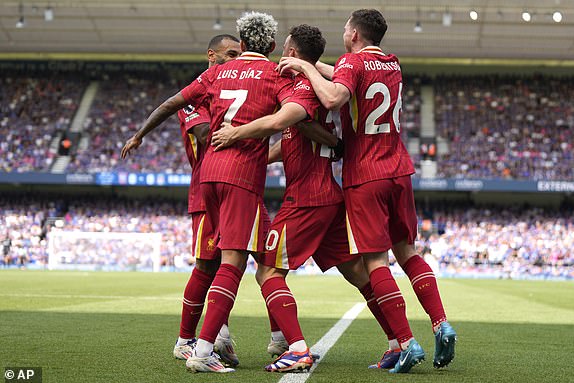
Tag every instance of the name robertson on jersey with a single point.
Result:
(377, 65)
(244, 74)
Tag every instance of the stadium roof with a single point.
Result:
(173, 27)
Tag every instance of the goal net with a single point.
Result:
(81, 250)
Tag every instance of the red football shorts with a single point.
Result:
(204, 237)
(238, 215)
(379, 214)
(300, 233)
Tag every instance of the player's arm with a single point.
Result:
(159, 115)
(289, 114)
(332, 95)
(326, 70)
(315, 132)
(275, 153)
(201, 131)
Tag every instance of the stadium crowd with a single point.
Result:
(464, 241)
(33, 110)
(502, 127)
(506, 127)
(121, 105)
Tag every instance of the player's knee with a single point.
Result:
(403, 251)
(208, 267)
(264, 273)
(355, 273)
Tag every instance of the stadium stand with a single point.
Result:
(35, 109)
(504, 242)
(121, 105)
(506, 127)
(464, 240)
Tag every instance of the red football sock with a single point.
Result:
(283, 308)
(272, 323)
(367, 292)
(425, 286)
(220, 300)
(193, 300)
(391, 302)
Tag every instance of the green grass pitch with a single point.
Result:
(120, 327)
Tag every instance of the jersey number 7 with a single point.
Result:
(238, 96)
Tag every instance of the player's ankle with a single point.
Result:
(298, 346)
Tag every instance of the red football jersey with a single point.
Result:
(373, 146)
(189, 117)
(239, 92)
(308, 171)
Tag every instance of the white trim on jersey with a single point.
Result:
(352, 244)
(252, 56)
(253, 238)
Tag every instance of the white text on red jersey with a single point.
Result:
(377, 65)
(234, 73)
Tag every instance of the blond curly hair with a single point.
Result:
(257, 30)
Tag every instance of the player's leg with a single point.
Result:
(293, 238)
(192, 306)
(224, 344)
(236, 206)
(403, 234)
(207, 260)
(220, 299)
(277, 344)
(283, 308)
(355, 273)
(368, 232)
(334, 251)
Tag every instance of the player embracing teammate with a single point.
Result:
(379, 198)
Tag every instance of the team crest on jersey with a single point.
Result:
(211, 244)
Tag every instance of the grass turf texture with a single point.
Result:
(120, 327)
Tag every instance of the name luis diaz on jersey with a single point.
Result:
(244, 74)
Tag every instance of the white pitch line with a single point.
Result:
(326, 342)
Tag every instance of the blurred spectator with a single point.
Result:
(122, 104)
(33, 109)
(464, 240)
(503, 242)
(506, 127)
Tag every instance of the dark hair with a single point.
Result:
(370, 23)
(308, 41)
(216, 40)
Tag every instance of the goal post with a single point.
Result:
(84, 250)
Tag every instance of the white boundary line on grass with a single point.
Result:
(326, 342)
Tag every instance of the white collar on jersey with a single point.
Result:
(372, 49)
(252, 56)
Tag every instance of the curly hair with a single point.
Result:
(370, 23)
(257, 31)
(308, 41)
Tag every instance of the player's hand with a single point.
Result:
(337, 151)
(131, 144)
(224, 137)
(290, 65)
